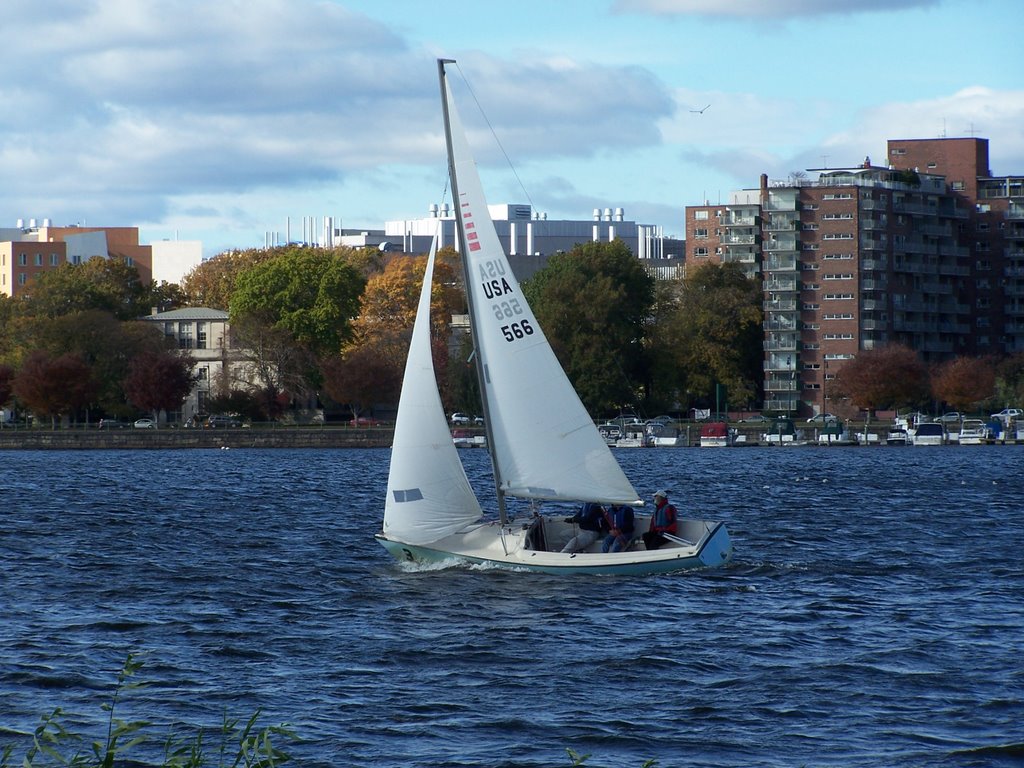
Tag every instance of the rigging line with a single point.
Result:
(490, 127)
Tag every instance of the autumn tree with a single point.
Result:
(105, 344)
(212, 282)
(159, 380)
(593, 303)
(53, 386)
(964, 382)
(709, 334)
(381, 332)
(361, 378)
(887, 377)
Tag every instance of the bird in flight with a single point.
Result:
(699, 111)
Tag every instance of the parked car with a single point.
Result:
(145, 424)
(823, 418)
(363, 421)
(222, 421)
(111, 424)
(951, 417)
(1008, 413)
(757, 418)
(461, 418)
(478, 421)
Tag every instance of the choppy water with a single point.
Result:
(873, 616)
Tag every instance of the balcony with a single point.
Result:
(780, 305)
(781, 345)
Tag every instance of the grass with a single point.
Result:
(234, 744)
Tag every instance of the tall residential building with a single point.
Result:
(926, 250)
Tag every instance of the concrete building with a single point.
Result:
(205, 334)
(926, 250)
(522, 232)
(28, 250)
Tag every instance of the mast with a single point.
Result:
(468, 277)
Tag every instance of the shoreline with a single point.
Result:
(142, 439)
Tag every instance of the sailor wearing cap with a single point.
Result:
(662, 521)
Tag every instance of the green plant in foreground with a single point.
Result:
(55, 745)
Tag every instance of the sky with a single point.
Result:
(223, 120)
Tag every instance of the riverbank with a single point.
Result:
(141, 439)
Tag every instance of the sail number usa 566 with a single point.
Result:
(506, 310)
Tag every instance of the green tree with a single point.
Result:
(710, 335)
(6, 380)
(593, 303)
(108, 285)
(1009, 385)
(312, 293)
(892, 376)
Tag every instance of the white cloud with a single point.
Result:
(775, 9)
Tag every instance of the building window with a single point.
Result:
(838, 296)
(700, 251)
(701, 233)
(809, 307)
(957, 186)
(700, 215)
(54, 259)
(39, 260)
(185, 336)
(843, 276)
(21, 278)
(22, 260)
(200, 335)
(203, 374)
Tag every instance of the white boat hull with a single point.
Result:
(520, 547)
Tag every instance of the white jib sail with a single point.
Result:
(429, 496)
(545, 443)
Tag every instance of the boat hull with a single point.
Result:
(518, 547)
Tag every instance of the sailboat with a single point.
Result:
(543, 445)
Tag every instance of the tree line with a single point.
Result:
(894, 377)
(322, 325)
(330, 326)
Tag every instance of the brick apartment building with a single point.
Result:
(926, 250)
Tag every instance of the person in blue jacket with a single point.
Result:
(590, 519)
(620, 528)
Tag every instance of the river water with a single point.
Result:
(873, 615)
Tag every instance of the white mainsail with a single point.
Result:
(545, 444)
(429, 496)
